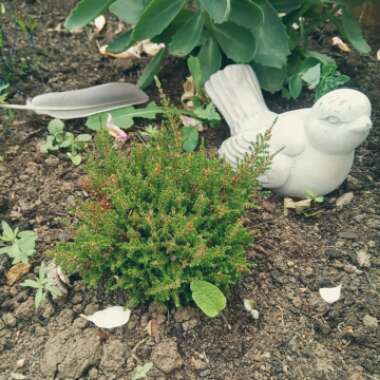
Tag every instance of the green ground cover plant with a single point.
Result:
(160, 220)
(272, 35)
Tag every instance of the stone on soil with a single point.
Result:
(166, 357)
(68, 354)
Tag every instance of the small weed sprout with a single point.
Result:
(315, 198)
(19, 246)
(58, 139)
(42, 285)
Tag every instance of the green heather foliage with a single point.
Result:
(159, 218)
(272, 35)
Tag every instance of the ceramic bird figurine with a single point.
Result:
(317, 143)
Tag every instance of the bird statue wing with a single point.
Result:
(236, 92)
(284, 144)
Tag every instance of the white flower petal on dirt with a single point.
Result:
(378, 55)
(331, 295)
(250, 305)
(109, 318)
(100, 23)
(342, 46)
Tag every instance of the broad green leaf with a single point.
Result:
(271, 79)
(76, 159)
(152, 69)
(208, 114)
(85, 12)
(295, 86)
(218, 10)
(271, 38)
(182, 18)
(55, 127)
(68, 140)
(287, 6)
(39, 298)
(121, 42)
(83, 138)
(210, 59)
(237, 42)
(350, 27)
(190, 138)
(128, 11)
(323, 58)
(194, 65)
(31, 284)
(141, 372)
(246, 13)
(312, 76)
(155, 18)
(187, 36)
(208, 298)
(123, 117)
(8, 234)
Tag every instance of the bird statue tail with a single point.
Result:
(236, 92)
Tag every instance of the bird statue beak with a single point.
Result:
(361, 125)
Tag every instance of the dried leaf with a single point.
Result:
(16, 272)
(299, 206)
(150, 48)
(54, 279)
(331, 295)
(109, 318)
(342, 46)
(132, 54)
(188, 93)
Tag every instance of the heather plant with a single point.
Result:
(274, 36)
(161, 222)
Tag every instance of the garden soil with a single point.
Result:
(297, 335)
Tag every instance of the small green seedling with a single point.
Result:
(19, 246)
(141, 372)
(3, 91)
(314, 197)
(58, 139)
(43, 286)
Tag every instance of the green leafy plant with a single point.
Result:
(19, 246)
(271, 35)
(43, 286)
(159, 218)
(3, 91)
(58, 139)
(314, 197)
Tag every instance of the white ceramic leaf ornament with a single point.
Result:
(331, 295)
(109, 318)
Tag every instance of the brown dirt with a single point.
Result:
(297, 336)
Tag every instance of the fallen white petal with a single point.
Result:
(378, 55)
(100, 23)
(109, 318)
(330, 295)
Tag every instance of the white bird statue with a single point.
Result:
(316, 144)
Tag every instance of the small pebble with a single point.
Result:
(20, 363)
(370, 321)
(9, 320)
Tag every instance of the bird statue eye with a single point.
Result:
(333, 120)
